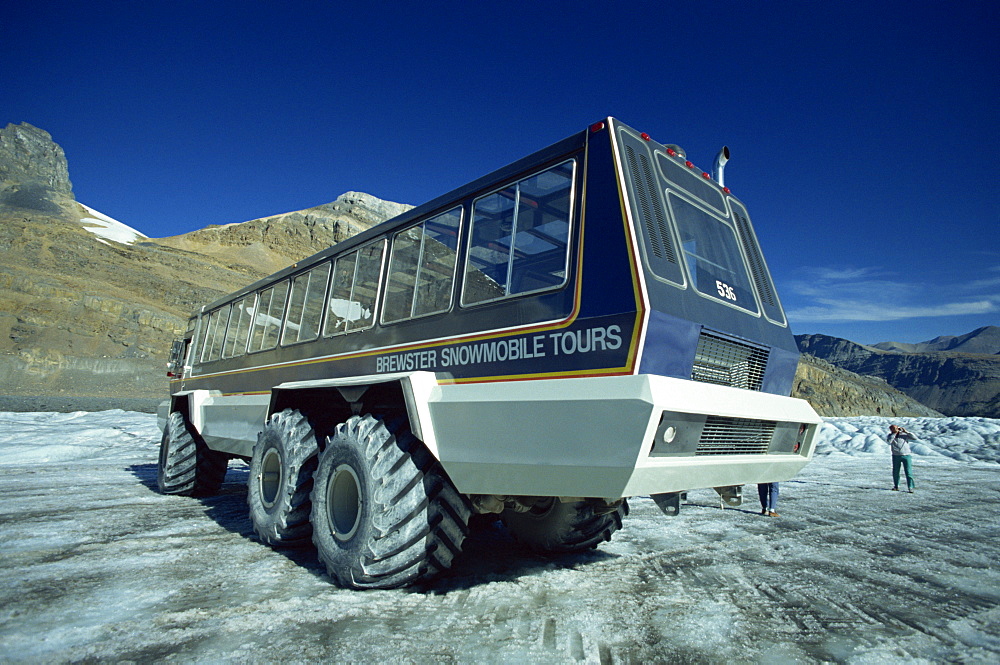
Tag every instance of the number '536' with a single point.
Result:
(725, 290)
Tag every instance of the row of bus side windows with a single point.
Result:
(519, 244)
(253, 323)
(257, 317)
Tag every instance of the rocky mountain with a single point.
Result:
(34, 174)
(952, 382)
(833, 391)
(272, 243)
(83, 315)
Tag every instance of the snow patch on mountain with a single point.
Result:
(107, 228)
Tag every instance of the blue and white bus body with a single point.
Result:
(633, 344)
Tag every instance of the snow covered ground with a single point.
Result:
(95, 565)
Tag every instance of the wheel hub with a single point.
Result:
(343, 498)
(270, 477)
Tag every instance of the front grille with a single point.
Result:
(726, 362)
(735, 436)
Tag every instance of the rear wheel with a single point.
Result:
(557, 527)
(187, 466)
(281, 478)
(384, 514)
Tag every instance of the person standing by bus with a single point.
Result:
(899, 445)
(768, 493)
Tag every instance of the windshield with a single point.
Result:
(712, 254)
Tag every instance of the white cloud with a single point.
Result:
(846, 310)
(988, 282)
(871, 294)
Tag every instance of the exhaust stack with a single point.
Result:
(720, 165)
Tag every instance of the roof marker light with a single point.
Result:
(597, 126)
(705, 176)
(689, 165)
(645, 136)
(671, 152)
(726, 190)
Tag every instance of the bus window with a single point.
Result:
(305, 307)
(211, 322)
(239, 328)
(267, 317)
(422, 268)
(215, 334)
(712, 254)
(201, 335)
(519, 240)
(355, 284)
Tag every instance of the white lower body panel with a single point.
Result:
(593, 437)
(227, 423)
(577, 437)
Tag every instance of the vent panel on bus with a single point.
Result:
(648, 207)
(758, 270)
(735, 436)
(726, 362)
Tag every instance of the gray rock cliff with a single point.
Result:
(954, 383)
(833, 391)
(34, 173)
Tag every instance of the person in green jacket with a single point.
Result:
(899, 445)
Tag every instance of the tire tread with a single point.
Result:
(288, 526)
(418, 520)
(187, 466)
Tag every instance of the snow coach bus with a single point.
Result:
(590, 323)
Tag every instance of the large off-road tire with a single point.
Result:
(384, 514)
(187, 466)
(555, 527)
(281, 479)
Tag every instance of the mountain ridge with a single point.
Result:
(981, 340)
(952, 382)
(274, 242)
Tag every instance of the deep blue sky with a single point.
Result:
(864, 135)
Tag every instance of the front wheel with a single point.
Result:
(557, 527)
(384, 515)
